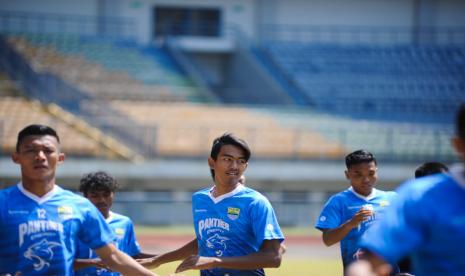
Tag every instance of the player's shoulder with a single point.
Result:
(120, 217)
(69, 195)
(202, 192)
(9, 191)
(341, 196)
(427, 186)
(385, 194)
(249, 192)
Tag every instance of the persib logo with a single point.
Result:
(119, 231)
(233, 213)
(65, 212)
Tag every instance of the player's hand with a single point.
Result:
(197, 262)
(359, 217)
(364, 268)
(99, 264)
(151, 262)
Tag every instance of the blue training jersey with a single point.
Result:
(234, 224)
(427, 222)
(39, 235)
(342, 207)
(125, 241)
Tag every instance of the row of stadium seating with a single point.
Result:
(78, 138)
(418, 82)
(88, 63)
(177, 126)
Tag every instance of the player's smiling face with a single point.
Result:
(363, 177)
(38, 157)
(229, 165)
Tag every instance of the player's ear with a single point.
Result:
(459, 146)
(211, 163)
(347, 174)
(61, 158)
(15, 157)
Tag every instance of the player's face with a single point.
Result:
(459, 145)
(38, 157)
(102, 200)
(363, 177)
(229, 165)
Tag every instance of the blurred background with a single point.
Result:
(139, 89)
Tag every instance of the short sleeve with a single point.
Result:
(94, 231)
(265, 224)
(330, 216)
(133, 245)
(400, 230)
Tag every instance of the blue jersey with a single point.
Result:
(342, 207)
(427, 222)
(39, 235)
(125, 241)
(234, 224)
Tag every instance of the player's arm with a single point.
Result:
(84, 263)
(335, 235)
(143, 255)
(269, 255)
(119, 261)
(190, 248)
(370, 265)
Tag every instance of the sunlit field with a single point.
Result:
(289, 267)
(292, 264)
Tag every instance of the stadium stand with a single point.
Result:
(337, 80)
(417, 83)
(107, 68)
(79, 138)
(178, 136)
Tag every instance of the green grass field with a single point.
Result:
(291, 266)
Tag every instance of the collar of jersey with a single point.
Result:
(458, 173)
(221, 197)
(368, 197)
(110, 217)
(37, 199)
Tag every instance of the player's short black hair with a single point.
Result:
(429, 168)
(32, 130)
(228, 139)
(460, 122)
(358, 157)
(98, 181)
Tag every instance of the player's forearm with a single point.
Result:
(83, 263)
(143, 255)
(252, 261)
(333, 236)
(126, 265)
(120, 262)
(179, 254)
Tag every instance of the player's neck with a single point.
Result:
(221, 189)
(38, 187)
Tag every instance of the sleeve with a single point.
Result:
(133, 245)
(94, 231)
(330, 217)
(265, 224)
(400, 230)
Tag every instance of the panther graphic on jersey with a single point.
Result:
(41, 253)
(217, 243)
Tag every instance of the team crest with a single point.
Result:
(119, 232)
(65, 212)
(233, 213)
(384, 203)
